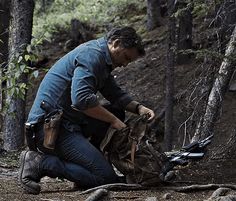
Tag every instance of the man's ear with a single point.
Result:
(116, 43)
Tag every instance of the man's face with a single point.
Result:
(121, 56)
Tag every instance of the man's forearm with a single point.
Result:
(100, 113)
(133, 107)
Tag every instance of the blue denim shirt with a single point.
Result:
(73, 81)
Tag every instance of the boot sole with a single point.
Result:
(26, 188)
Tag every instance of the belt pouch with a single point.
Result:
(51, 129)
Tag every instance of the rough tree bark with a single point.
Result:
(184, 32)
(218, 90)
(20, 36)
(225, 19)
(45, 4)
(170, 79)
(153, 14)
(79, 34)
(4, 35)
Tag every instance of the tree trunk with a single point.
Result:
(170, 81)
(218, 90)
(20, 36)
(45, 5)
(153, 14)
(225, 18)
(184, 40)
(4, 35)
(79, 34)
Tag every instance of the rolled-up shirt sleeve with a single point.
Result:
(83, 89)
(113, 93)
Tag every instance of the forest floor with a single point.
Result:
(214, 172)
(145, 81)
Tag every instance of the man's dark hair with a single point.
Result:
(128, 37)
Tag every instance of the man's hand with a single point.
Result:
(118, 124)
(144, 110)
(101, 113)
(137, 108)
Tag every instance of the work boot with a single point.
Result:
(29, 173)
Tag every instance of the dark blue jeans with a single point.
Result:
(75, 157)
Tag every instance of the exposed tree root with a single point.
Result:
(220, 192)
(201, 187)
(97, 195)
(115, 186)
(195, 187)
(219, 195)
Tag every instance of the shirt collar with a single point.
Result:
(103, 44)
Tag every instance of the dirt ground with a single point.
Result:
(200, 172)
(58, 190)
(145, 81)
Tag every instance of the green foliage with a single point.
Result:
(202, 53)
(214, 55)
(200, 9)
(16, 69)
(93, 12)
(19, 70)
